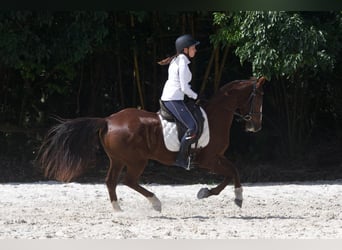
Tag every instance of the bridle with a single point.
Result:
(248, 117)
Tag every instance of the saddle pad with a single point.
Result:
(170, 133)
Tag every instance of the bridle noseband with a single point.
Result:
(248, 117)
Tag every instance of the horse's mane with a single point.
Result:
(236, 83)
(222, 91)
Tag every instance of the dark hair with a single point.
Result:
(167, 60)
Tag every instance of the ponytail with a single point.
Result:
(167, 60)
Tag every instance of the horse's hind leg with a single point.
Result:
(112, 178)
(224, 167)
(131, 180)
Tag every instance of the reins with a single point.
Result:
(247, 117)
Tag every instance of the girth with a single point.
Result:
(181, 129)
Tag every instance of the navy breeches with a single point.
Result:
(183, 114)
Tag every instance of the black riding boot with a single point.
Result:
(183, 154)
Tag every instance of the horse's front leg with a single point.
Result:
(223, 166)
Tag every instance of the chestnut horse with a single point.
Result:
(132, 136)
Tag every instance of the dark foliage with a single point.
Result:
(94, 63)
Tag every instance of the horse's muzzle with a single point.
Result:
(251, 127)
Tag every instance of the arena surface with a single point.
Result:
(52, 210)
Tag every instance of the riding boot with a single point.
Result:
(182, 159)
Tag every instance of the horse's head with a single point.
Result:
(250, 104)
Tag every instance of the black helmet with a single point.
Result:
(185, 41)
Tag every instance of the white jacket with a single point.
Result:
(177, 84)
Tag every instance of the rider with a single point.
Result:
(176, 87)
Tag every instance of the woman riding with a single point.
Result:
(174, 91)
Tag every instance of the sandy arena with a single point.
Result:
(51, 210)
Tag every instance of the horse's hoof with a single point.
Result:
(203, 193)
(238, 202)
(157, 208)
(116, 206)
(156, 204)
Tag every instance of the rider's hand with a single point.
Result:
(200, 99)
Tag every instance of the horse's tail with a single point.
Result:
(70, 146)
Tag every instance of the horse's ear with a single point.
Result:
(260, 81)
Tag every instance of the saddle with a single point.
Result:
(181, 129)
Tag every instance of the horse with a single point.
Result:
(131, 137)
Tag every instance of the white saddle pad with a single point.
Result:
(170, 133)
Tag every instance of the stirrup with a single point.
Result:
(192, 161)
(186, 165)
(189, 164)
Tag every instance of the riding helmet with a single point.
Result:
(185, 41)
